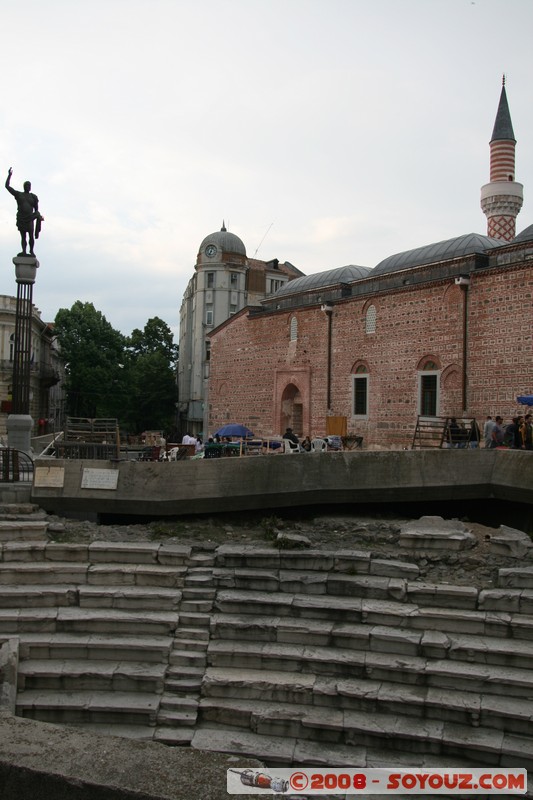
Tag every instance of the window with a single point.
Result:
(209, 315)
(234, 279)
(210, 280)
(360, 392)
(294, 329)
(232, 309)
(370, 322)
(428, 393)
(275, 285)
(12, 347)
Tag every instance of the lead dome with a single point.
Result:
(225, 241)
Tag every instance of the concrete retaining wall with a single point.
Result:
(233, 484)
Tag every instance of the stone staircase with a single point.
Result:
(291, 656)
(348, 657)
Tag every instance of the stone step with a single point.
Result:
(124, 708)
(200, 580)
(184, 682)
(149, 553)
(375, 611)
(147, 598)
(188, 658)
(432, 737)
(46, 572)
(194, 606)
(445, 674)
(91, 675)
(17, 509)
(202, 593)
(173, 702)
(194, 619)
(174, 736)
(187, 634)
(23, 529)
(197, 645)
(42, 646)
(378, 638)
(179, 718)
(38, 596)
(87, 620)
(467, 708)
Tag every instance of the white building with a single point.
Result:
(225, 281)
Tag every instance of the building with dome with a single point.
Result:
(442, 330)
(225, 281)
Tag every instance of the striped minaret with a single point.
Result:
(502, 198)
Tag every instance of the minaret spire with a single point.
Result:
(502, 198)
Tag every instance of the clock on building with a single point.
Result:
(211, 250)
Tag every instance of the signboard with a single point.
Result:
(49, 477)
(93, 478)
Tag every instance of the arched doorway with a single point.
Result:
(291, 415)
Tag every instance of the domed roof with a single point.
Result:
(525, 236)
(440, 251)
(224, 241)
(319, 280)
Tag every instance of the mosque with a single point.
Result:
(442, 330)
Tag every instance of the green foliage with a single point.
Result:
(110, 375)
(93, 353)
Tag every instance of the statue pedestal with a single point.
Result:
(19, 430)
(25, 268)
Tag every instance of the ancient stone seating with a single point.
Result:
(290, 655)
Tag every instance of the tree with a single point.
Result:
(152, 357)
(93, 352)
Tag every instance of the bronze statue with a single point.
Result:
(27, 214)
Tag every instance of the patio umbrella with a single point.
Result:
(234, 429)
(525, 400)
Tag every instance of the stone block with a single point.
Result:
(510, 543)
(123, 552)
(394, 569)
(395, 640)
(516, 578)
(508, 600)
(173, 555)
(434, 644)
(299, 581)
(23, 551)
(59, 551)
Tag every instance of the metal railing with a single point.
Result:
(15, 466)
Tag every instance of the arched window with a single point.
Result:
(12, 347)
(370, 322)
(294, 329)
(360, 387)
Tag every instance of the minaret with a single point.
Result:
(502, 198)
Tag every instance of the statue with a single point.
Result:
(27, 214)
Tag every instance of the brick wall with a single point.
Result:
(253, 359)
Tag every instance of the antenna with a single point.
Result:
(262, 240)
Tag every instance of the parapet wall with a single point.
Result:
(233, 484)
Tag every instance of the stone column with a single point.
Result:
(19, 422)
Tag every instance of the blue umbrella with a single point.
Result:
(234, 429)
(525, 400)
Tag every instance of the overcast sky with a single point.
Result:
(324, 132)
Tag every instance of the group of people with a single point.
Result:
(517, 435)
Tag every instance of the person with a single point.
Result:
(454, 433)
(511, 435)
(290, 436)
(498, 433)
(306, 444)
(188, 439)
(487, 431)
(526, 433)
(474, 435)
(28, 214)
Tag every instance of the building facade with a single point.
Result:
(46, 394)
(442, 330)
(224, 282)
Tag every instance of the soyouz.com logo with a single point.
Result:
(409, 780)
